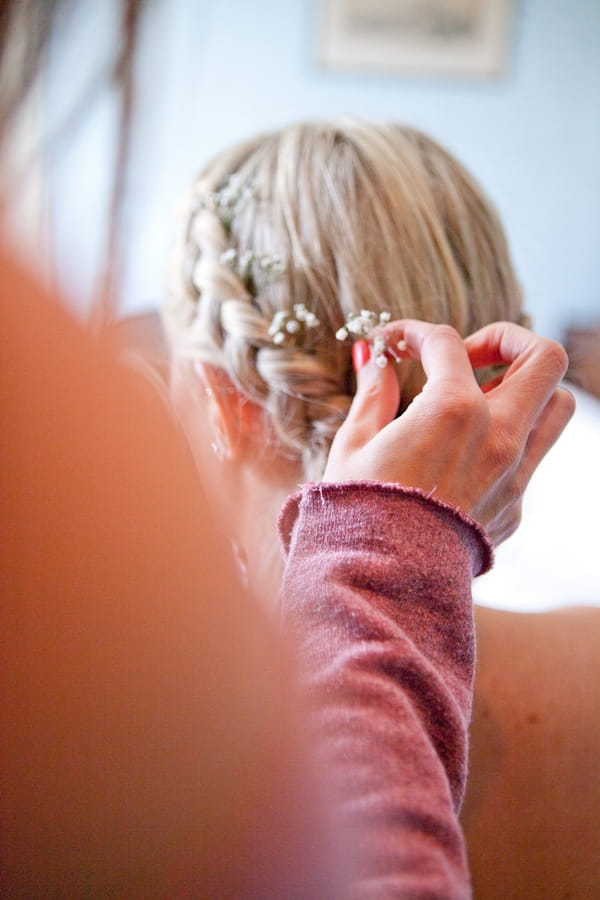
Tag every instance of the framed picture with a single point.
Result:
(445, 37)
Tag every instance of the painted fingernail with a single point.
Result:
(360, 355)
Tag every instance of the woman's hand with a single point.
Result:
(473, 447)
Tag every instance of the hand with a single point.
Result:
(473, 447)
(583, 346)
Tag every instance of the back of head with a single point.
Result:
(339, 217)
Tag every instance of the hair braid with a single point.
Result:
(362, 216)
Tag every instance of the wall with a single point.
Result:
(216, 72)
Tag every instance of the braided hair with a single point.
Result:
(357, 215)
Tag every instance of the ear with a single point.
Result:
(232, 417)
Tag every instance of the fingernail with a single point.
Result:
(360, 355)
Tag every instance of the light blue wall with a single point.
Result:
(220, 71)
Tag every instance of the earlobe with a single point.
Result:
(229, 411)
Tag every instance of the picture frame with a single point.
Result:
(436, 37)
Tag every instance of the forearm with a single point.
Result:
(378, 594)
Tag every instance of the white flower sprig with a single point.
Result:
(243, 263)
(230, 200)
(363, 324)
(291, 328)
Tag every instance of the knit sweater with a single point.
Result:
(377, 593)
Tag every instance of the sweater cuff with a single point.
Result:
(349, 495)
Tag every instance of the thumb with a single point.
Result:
(377, 395)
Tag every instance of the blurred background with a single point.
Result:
(210, 73)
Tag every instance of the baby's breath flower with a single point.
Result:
(363, 324)
(278, 319)
(291, 327)
(271, 263)
(243, 265)
(357, 326)
(229, 257)
(229, 200)
(246, 260)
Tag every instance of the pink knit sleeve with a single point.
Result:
(377, 593)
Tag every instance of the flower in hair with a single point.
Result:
(245, 264)
(363, 324)
(291, 329)
(229, 200)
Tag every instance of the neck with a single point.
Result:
(257, 530)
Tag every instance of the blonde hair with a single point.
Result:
(363, 216)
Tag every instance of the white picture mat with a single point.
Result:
(461, 37)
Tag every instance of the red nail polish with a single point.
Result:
(360, 355)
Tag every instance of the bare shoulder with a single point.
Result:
(532, 811)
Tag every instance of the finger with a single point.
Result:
(498, 343)
(550, 425)
(440, 349)
(377, 397)
(507, 344)
(489, 386)
(535, 365)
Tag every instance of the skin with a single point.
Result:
(480, 453)
(531, 810)
(121, 776)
